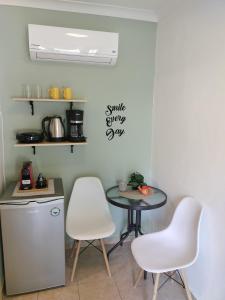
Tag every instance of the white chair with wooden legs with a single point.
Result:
(174, 248)
(88, 216)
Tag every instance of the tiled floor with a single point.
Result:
(92, 283)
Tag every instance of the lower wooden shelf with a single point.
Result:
(50, 144)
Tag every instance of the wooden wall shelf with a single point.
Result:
(48, 100)
(32, 100)
(50, 144)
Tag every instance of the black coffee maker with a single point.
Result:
(75, 125)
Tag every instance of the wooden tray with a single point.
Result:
(50, 189)
(135, 194)
(33, 189)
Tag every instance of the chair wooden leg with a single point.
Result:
(75, 260)
(105, 257)
(73, 249)
(138, 278)
(183, 275)
(156, 286)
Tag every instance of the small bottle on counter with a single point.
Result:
(26, 179)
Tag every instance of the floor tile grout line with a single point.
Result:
(114, 281)
(117, 288)
(78, 288)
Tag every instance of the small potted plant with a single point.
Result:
(136, 180)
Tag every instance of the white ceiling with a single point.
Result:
(147, 10)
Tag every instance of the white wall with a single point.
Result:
(1, 185)
(1, 154)
(189, 127)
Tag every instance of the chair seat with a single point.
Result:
(161, 252)
(91, 231)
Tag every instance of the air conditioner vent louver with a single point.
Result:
(73, 58)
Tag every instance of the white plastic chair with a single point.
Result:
(174, 248)
(88, 216)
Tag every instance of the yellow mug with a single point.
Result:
(67, 93)
(54, 93)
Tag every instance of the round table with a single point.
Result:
(134, 202)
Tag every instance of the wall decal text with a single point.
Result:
(114, 119)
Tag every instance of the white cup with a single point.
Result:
(38, 91)
(27, 91)
(122, 186)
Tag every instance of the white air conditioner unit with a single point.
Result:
(72, 45)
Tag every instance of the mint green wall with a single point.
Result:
(130, 82)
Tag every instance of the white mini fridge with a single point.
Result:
(33, 240)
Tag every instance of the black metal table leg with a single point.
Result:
(137, 225)
(139, 216)
(131, 226)
(141, 233)
(136, 232)
(131, 217)
(125, 235)
(122, 236)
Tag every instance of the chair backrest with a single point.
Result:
(185, 225)
(87, 201)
